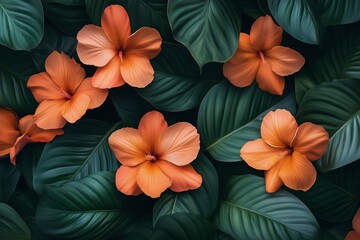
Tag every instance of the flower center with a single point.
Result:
(262, 56)
(287, 152)
(66, 94)
(150, 157)
(121, 56)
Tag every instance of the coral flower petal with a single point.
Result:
(179, 144)
(310, 140)
(151, 126)
(297, 172)
(268, 80)
(48, 114)
(352, 235)
(183, 178)
(278, 128)
(259, 155)
(285, 61)
(64, 71)
(116, 24)
(43, 87)
(145, 41)
(136, 70)
(94, 47)
(272, 180)
(96, 95)
(356, 221)
(152, 180)
(19, 144)
(129, 146)
(73, 109)
(265, 34)
(125, 180)
(108, 76)
(8, 130)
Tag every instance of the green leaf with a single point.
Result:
(90, 208)
(22, 24)
(249, 7)
(184, 226)
(201, 201)
(178, 85)
(81, 151)
(246, 211)
(299, 18)
(341, 62)
(9, 177)
(12, 226)
(149, 13)
(208, 28)
(15, 69)
(143, 231)
(336, 12)
(336, 106)
(230, 116)
(25, 203)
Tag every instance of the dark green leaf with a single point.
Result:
(81, 151)
(178, 85)
(90, 208)
(201, 201)
(336, 12)
(184, 226)
(143, 230)
(249, 7)
(336, 106)
(22, 23)
(9, 177)
(25, 203)
(246, 211)
(12, 226)
(230, 116)
(208, 28)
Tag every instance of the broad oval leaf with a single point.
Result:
(91, 208)
(81, 151)
(12, 226)
(9, 177)
(336, 106)
(208, 28)
(177, 85)
(22, 23)
(341, 62)
(336, 12)
(192, 201)
(230, 116)
(279, 215)
(299, 18)
(184, 226)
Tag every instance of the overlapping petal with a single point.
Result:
(73, 109)
(145, 41)
(43, 87)
(8, 130)
(126, 182)
(48, 114)
(136, 70)
(269, 81)
(284, 61)
(272, 180)
(97, 96)
(265, 34)
(108, 76)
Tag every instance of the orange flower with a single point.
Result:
(285, 151)
(355, 234)
(63, 93)
(121, 57)
(15, 134)
(155, 157)
(260, 57)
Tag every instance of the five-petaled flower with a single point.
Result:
(63, 93)
(15, 134)
(121, 57)
(260, 57)
(285, 151)
(355, 234)
(155, 157)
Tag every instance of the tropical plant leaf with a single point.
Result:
(230, 116)
(341, 62)
(22, 24)
(208, 28)
(336, 12)
(9, 177)
(90, 208)
(279, 215)
(249, 7)
(184, 226)
(12, 226)
(25, 203)
(192, 201)
(81, 151)
(143, 231)
(299, 18)
(178, 85)
(336, 106)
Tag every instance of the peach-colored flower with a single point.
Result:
(63, 93)
(121, 57)
(15, 134)
(155, 157)
(260, 57)
(355, 234)
(285, 151)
